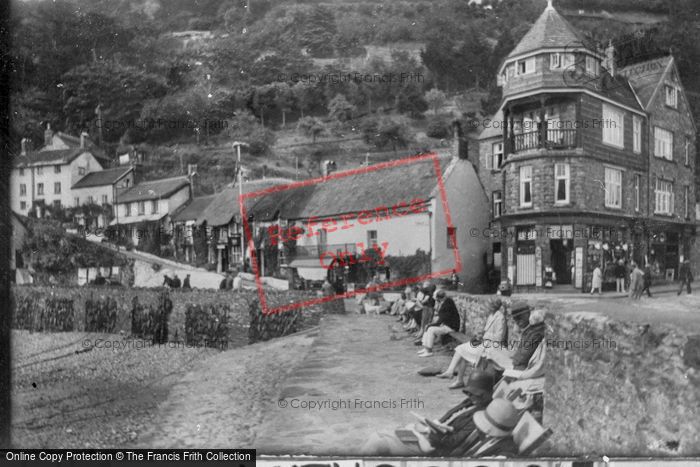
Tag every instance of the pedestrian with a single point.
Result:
(454, 279)
(597, 281)
(647, 280)
(620, 276)
(175, 284)
(636, 278)
(686, 276)
(229, 280)
(186, 282)
(237, 282)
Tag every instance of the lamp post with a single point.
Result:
(237, 145)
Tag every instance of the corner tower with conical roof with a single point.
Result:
(568, 157)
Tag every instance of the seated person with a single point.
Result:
(447, 322)
(532, 324)
(494, 334)
(438, 441)
(428, 308)
(415, 312)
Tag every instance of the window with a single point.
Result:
(555, 61)
(40, 189)
(663, 143)
(592, 66)
(22, 189)
(57, 188)
(686, 200)
(613, 126)
(637, 191)
(142, 208)
(127, 209)
(40, 171)
(496, 156)
(567, 60)
(525, 67)
(22, 205)
(526, 186)
(510, 72)
(672, 96)
(105, 199)
(636, 134)
(57, 169)
(21, 172)
(687, 151)
(371, 238)
(497, 204)
(451, 238)
(664, 197)
(76, 200)
(81, 170)
(561, 183)
(90, 200)
(154, 206)
(613, 188)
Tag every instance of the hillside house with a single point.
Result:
(185, 232)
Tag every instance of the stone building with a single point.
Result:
(586, 164)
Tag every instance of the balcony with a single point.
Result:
(556, 139)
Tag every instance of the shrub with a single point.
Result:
(438, 128)
(37, 313)
(207, 325)
(101, 314)
(150, 321)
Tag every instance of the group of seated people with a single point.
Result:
(502, 379)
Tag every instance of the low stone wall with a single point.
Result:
(620, 389)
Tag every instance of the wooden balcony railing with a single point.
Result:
(556, 139)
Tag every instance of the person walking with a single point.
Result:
(686, 276)
(636, 278)
(620, 276)
(186, 282)
(597, 281)
(647, 280)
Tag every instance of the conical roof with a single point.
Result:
(550, 30)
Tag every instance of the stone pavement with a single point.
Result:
(363, 368)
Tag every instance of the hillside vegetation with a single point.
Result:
(299, 81)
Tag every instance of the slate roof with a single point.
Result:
(494, 129)
(58, 156)
(225, 204)
(550, 30)
(645, 76)
(194, 209)
(102, 177)
(153, 189)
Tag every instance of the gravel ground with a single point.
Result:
(65, 397)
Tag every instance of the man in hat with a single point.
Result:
(447, 322)
(686, 276)
(438, 438)
(494, 334)
(531, 322)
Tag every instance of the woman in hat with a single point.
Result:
(494, 334)
(495, 422)
(447, 321)
(437, 438)
(532, 324)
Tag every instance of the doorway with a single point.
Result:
(562, 252)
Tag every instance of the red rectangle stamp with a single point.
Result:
(350, 225)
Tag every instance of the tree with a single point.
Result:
(262, 100)
(410, 101)
(435, 99)
(284, 100)
(312, 127)
(245, 127)
(307, 96)
(340, 109)
(320, 29)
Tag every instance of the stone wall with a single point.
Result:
(629, 389)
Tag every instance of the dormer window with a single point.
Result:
(672, 96)
(525, 67)
(592, 66)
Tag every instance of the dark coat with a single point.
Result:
(530, 339)
(685, 274)
(448, 314)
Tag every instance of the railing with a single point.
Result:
(315, 251)
(556, 139)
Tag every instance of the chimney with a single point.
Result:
(191, 174)
(610, 58)
(328, 168)
(459, 141)
(48, 135)
(83, 138)
(25, 144)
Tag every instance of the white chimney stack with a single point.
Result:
(83, 138)
(610, 58)
(24, 143)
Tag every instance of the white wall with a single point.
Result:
(165, 206)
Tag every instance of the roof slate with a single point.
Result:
(194, 209)
(153, 189)
(645, 76)
(102, 177)
(550, 30)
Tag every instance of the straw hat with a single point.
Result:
(498, 419)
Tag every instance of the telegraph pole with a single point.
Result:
(237, 145)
